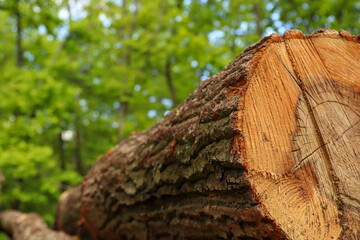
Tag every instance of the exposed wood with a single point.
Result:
(267, 149)
(301, 143)
(30, 226)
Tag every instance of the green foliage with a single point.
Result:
(65, 106)
(3, 236)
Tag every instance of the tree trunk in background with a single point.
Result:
(68, 8)
(124, 105)
(77, 149)
(62, 162)
(154, 35)
(61, 152)
(19, 51)
(30, 226)
(169, 81)
(258, 18)
(267, 149)
(168, 70)
(2, 178)
(66, 39)
(122, 116)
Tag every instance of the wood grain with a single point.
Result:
(301, 131)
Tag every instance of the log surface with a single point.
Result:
(29, 226)
(266, 149)
(181, 178)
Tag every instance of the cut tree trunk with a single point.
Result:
(30, 226)
(267, 149)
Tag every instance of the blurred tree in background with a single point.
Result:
(77, 76)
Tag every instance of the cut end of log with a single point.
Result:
(301, 128)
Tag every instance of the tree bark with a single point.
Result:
(267, 149)
(30, 226)
(68, 218)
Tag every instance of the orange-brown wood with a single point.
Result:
(301, 126)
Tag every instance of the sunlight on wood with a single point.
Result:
(301, 132)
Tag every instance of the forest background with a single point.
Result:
(78, 76)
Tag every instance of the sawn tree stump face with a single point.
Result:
(266, 149)
(301, 134)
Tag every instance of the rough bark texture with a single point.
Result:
(30, 226)
(68, 218)
(179, 179)
(226, 162)
(69, 211)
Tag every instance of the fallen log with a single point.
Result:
(267, 149)
(29, 226)
(69, 211)
(67, 217)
